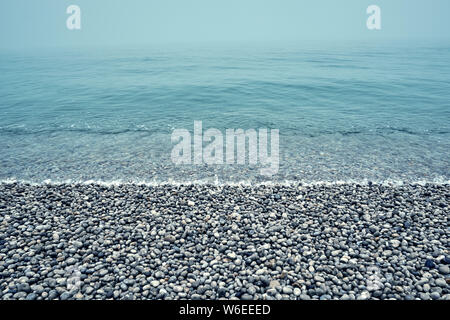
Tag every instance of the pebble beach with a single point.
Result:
(338, 241)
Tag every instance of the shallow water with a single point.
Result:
(344, 112)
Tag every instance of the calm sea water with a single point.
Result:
(345, 112)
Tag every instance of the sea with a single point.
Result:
(345, 112)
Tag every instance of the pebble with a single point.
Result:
(155, 283)
(364, 296)
(287, 290)
(230, 242)
(444, 269)
(435, 295)
(441, 282)
(246, 296)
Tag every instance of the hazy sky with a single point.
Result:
(42, 23)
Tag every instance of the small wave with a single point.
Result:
(340, 66)
(105, 131)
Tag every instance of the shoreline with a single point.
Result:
(203, 241)
(228, 183)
